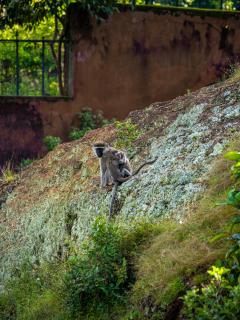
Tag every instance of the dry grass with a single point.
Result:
(176, 255)
(7, 173)
(233, 74)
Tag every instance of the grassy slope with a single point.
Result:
(168, 264)
(167, 267)
(167, 257)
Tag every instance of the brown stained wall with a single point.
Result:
(125, 63)
(136, 58)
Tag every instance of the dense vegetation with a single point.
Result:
(142, 269)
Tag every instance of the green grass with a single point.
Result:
(163, 259)
(183, 251)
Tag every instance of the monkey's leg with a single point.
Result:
(113, 200)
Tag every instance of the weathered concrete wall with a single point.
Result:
(136, 58)
(125, 63)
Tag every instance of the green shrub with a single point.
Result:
(76, 134)
(25, 163)
(51, 142)
(215, 301)
(97, 278)
(88, 121)
(92, 284)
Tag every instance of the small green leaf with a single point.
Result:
(219, 237)
(232, 155)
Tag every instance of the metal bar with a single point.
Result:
(17, 73)
(17, 65)
(43, 67)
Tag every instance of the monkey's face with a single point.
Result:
(98, 151)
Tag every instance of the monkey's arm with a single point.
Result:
(103, 173)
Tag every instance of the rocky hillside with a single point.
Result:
(56, 199)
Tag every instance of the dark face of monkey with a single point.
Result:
(98, 149)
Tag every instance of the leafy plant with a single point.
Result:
(76, 134)
(88, 121)
(217, 300)
(234, 156)
(51, 142)
(25, 163)
(126, 133)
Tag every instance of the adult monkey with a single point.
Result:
(115, 168)
(114, 164)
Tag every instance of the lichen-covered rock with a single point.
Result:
(56, 199)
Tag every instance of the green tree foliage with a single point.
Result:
(46, 19)
(32, 12)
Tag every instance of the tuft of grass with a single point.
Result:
(8, 174)
(34, 294)
(233, 74)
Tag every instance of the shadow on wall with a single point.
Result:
(21, 131)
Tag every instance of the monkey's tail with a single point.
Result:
(121, 179)
(143, 165)
(113, 200)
